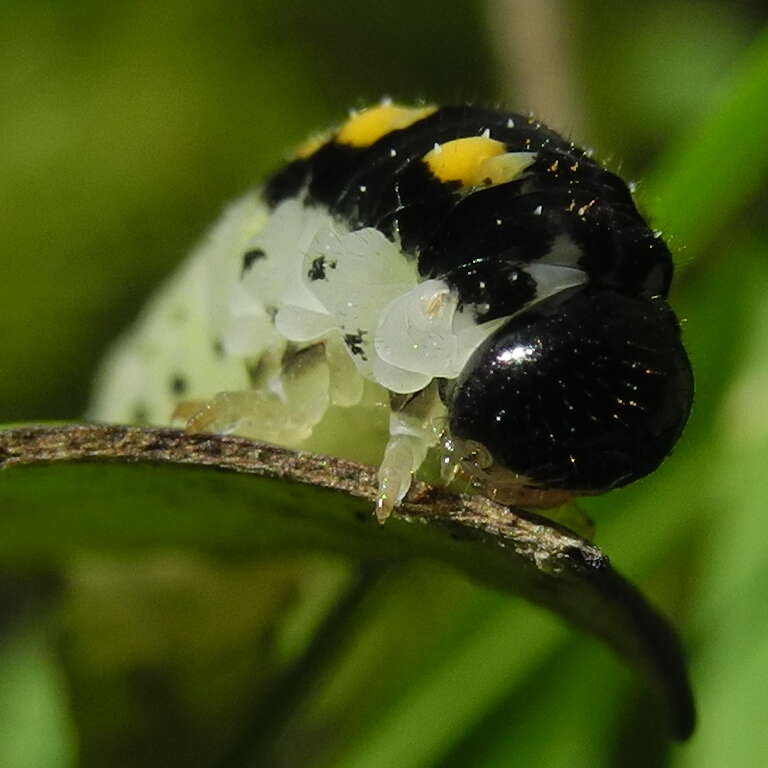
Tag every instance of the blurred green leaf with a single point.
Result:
(711, 171)
(731, 622)
(310, 502)
(649, 70)
(558, 730)
(37, 729)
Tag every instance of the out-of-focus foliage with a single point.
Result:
(125, 128)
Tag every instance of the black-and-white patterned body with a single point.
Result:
(376, 271)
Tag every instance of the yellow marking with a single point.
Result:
(308, 147)
(460, 159)
(368, 126)
(476, 161)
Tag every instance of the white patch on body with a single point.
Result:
(364, 272)
(551, 279)
(273, 280)
(422, 331)
(268, 347)
(563, 252)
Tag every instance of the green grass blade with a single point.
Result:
(712, 171)
(37, 729)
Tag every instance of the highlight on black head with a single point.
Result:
(586, 390)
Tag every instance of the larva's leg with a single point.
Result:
(402, 457)
(221, 413)
(186, 410)
(283, 409)
(412, 433)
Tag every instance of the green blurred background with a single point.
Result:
(125, 128)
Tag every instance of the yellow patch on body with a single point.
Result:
(476, 161)
(308, 147)
(368, 126)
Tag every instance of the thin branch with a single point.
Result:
(35, 445)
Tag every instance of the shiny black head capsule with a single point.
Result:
(584, 391)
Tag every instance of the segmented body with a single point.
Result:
(466, 272)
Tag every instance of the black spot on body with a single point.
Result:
(249, 257)
(178, 384)
(218, 348)
(317, 269)
(354, 342)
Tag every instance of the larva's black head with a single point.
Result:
(586, 391)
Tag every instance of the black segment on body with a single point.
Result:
(585, 390)
(354, 342)
(317, 269)
(386, 185)
(178, 384)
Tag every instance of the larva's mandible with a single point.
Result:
(466, 273)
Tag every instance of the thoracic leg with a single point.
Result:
(412, 433)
